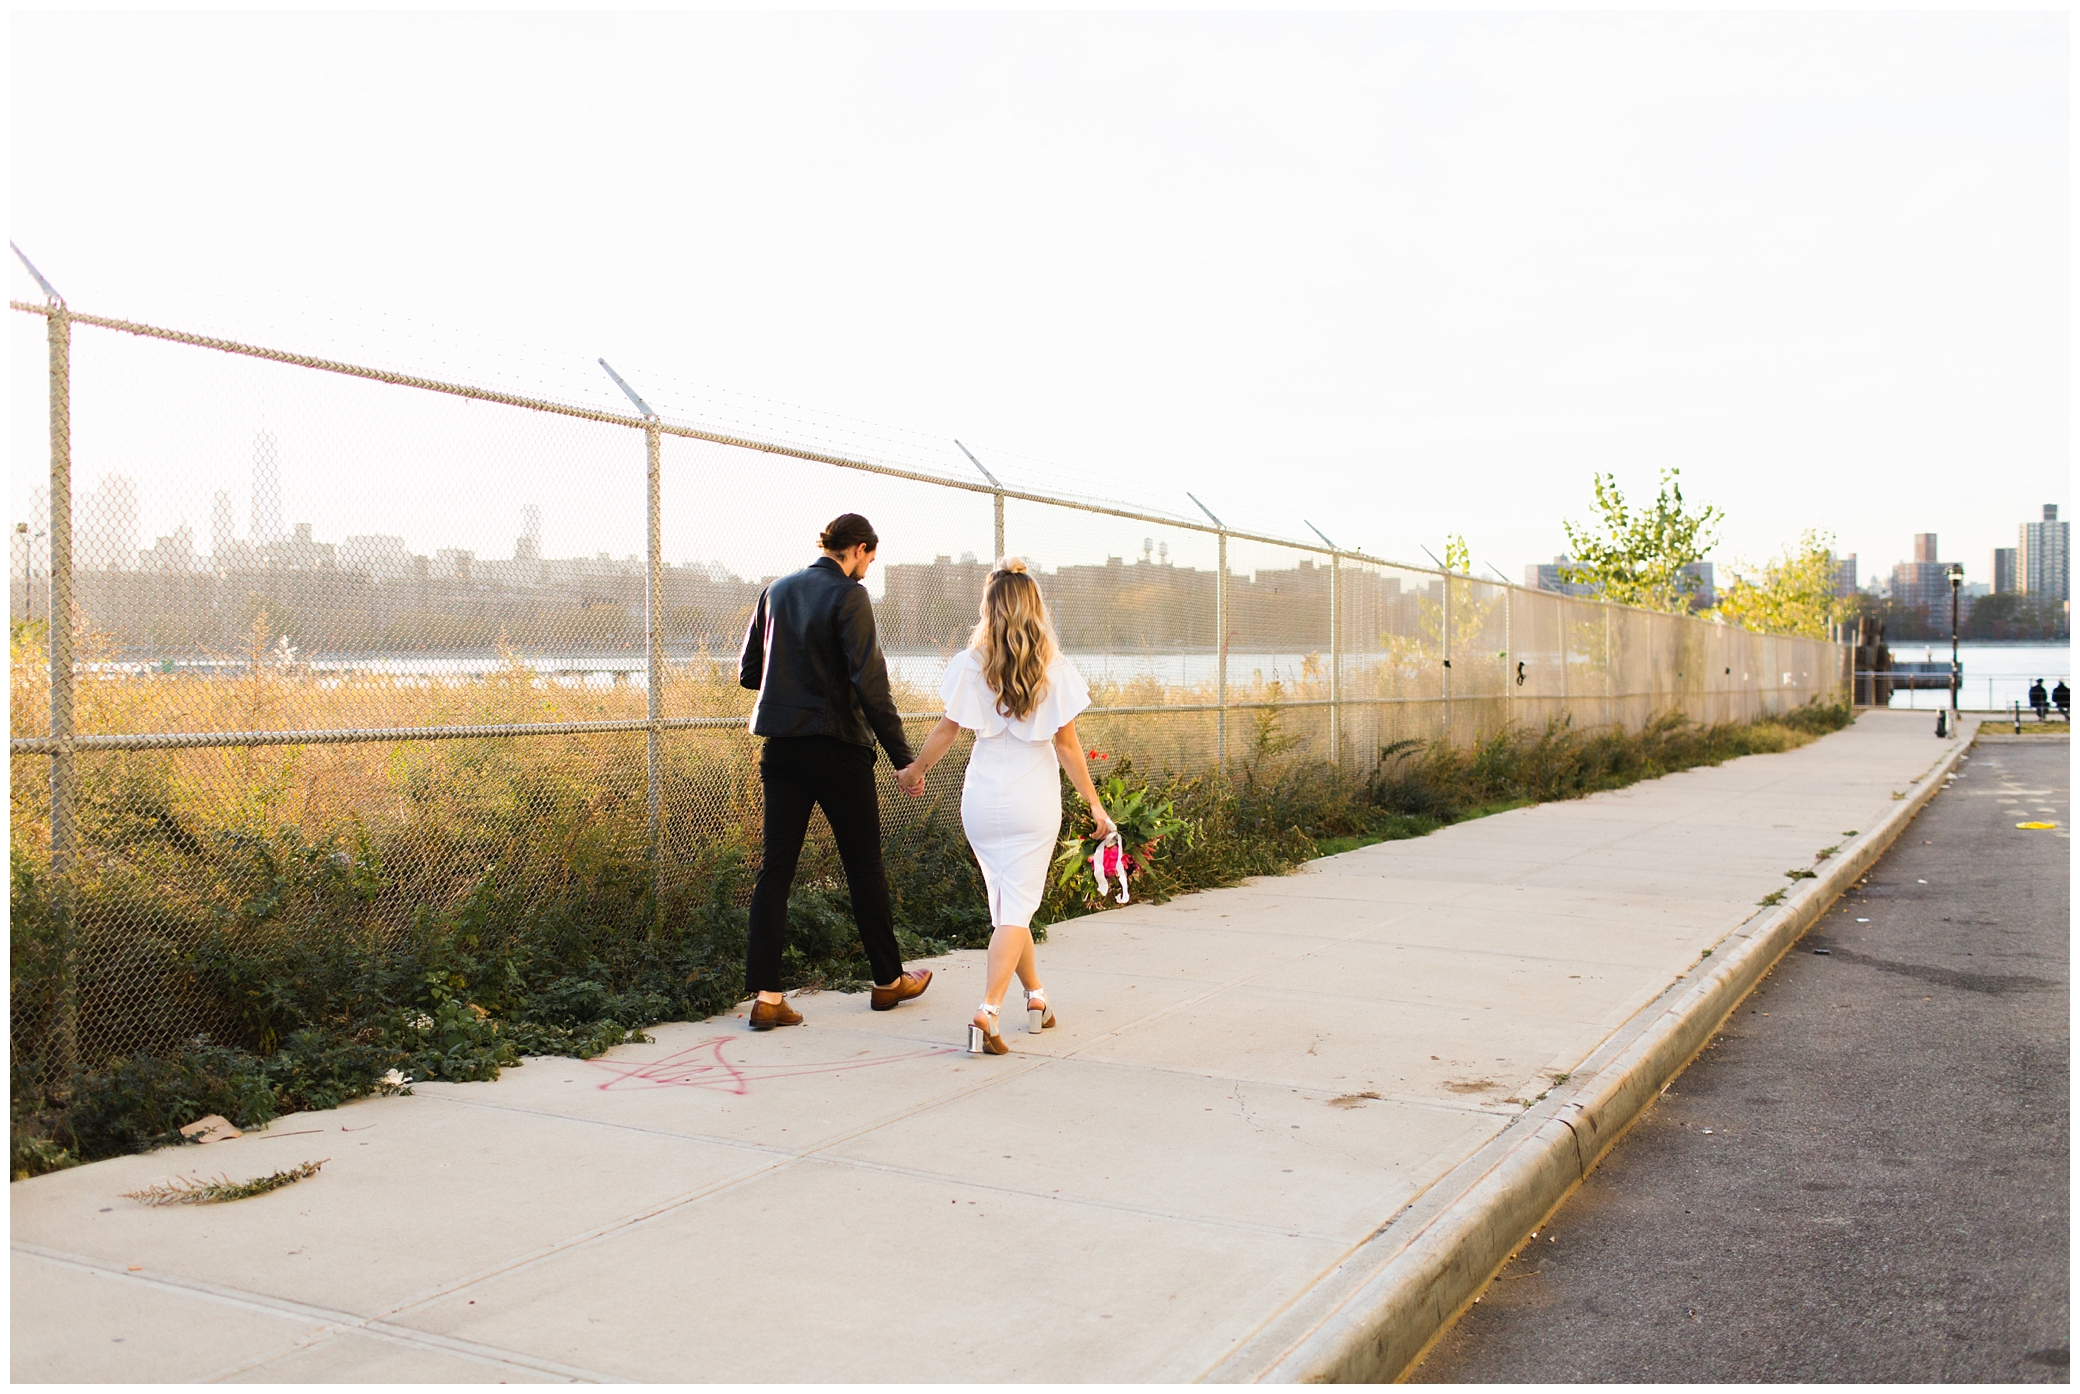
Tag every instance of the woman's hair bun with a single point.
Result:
(1015, 565)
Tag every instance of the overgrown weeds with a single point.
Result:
(327, 965)
(1561, 761)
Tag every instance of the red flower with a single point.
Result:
(1099, 755)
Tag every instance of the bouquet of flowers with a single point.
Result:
(1143, 822)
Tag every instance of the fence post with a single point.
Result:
(1509, 659)
(1335, 659)
(998, 487)
(1220, 628)
(1610, 690)
(653, 640)
(63, 853)
(1444, 644)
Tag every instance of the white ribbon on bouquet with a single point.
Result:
(1098, 865)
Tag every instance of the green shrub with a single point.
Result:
(142, 1103)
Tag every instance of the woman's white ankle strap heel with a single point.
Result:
(985, 1041)
(1038, 1014)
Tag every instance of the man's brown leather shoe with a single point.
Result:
(911, 984)
(766, 1015)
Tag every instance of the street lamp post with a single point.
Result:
(1956, 673)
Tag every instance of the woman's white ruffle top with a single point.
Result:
(971, 703)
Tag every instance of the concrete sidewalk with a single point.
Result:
(1258, 1100)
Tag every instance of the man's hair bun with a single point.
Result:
(846, 531)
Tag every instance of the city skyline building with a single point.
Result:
(108, 537)
(174, 554)
(383, 557)
(528, 546)
(267, 491)
(223, 524)
(1544, 576)
(1707, 593)
(2041, 565)
(104, 531)
(1845, 576)
(2005, 581)
(303, 552)
(1923, 584)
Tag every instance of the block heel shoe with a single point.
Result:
(982, 1034)
(1039, 1016)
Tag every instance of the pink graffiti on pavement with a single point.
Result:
(705, 1066)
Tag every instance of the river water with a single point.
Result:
(1995, 675)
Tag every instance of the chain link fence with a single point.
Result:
(385, 631)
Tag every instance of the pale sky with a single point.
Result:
(1399, 274)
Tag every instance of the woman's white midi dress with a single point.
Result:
(1011, 801)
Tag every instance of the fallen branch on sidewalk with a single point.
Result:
(183, 1191)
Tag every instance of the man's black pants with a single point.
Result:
(799, 772)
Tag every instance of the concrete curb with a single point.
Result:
(1383, 1327)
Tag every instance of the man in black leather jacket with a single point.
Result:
(823, 697)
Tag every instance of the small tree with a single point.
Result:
(1794, 594)
(1638, 559)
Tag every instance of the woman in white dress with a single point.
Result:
(1014, 689)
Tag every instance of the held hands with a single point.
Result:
(910, 779)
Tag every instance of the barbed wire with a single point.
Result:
(672, 427)
(416, 351)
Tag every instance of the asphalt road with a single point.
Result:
(1865, 1177)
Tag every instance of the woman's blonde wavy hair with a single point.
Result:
(1015, 640)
